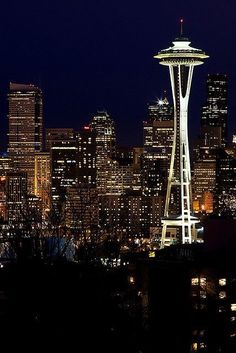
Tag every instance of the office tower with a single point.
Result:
(225, 189)
(119, 177)
(42, 185)
(213, 136)
(64, 159)
(129, 216)
(25, 115)
(82, 212)
(160, 110)
(56, 135)
(181, 59)
(215, 111)
(33, 213)
(137, 168)
(87, 157)
(103, 125)
(158, 133)
(120, 216)
(16, 197)
(204, 185)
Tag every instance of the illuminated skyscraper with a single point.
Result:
(64, 156)
(158, 133)
(87, 157)
(213, 136)
(25, 117)
(215, 111)
(103, 125)
(42, 185)
(203, 185)
(181, 59)
(225, 188)
(16, 196)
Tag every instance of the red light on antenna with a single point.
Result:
(86, 128)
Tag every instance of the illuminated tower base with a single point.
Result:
(181, 59)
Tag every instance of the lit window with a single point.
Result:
(203, 282)
(195, 281)
(194, 347)
(222, 281)
(131, 280)
(222, 294)
(233, 307)
(202, 294)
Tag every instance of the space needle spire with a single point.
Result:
(181, 27)
(181, 59)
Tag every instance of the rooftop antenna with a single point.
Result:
(181, 27)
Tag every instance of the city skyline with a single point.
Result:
(118, 187)
(63, 59)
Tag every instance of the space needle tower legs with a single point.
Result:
(181, 59)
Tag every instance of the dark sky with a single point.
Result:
(98, 54)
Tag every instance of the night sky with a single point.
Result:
(89, 55)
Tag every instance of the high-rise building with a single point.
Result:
(103, 125)
(16, 197)
(225, 189)
(160, 110)
(204, 185)
(181, 59)
(137, 168)
(158, 141)
(64, 157)
(25, 115)
(87, 157)
(215, 111)
(129, 216)
(42, 185)
(213, 136)
(81, 212)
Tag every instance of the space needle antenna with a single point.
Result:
(181, 27)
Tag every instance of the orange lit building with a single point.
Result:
(42, 183)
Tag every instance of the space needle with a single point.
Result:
(181, 59)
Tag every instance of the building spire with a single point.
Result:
(181, 27)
